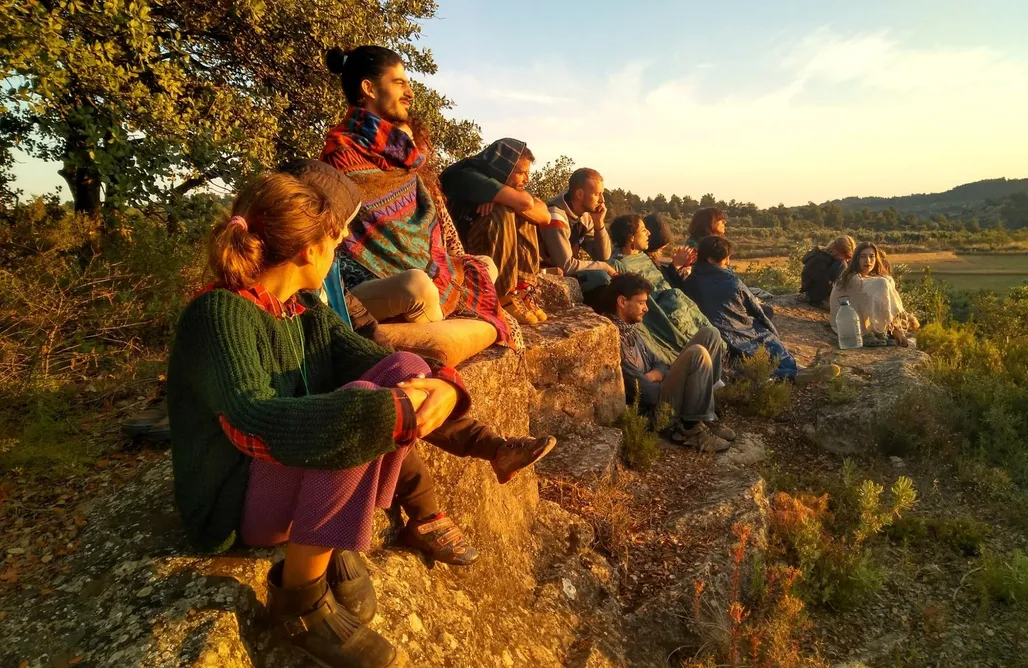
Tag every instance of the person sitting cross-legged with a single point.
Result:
(733, 309)
(498, 217)
(687, 385)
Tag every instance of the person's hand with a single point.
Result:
(417, 397)
(684, 257)
(599, 214)
(437, 406)
(654, 376)
(485, 209)
(684, 272)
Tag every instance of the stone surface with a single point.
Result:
(136, 594)
(746, 450)
(659, 627)
(558, 293)
(879, 376)
(587, 452)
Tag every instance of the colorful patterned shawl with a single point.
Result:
(398, 227)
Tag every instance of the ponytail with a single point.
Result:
(271, 221)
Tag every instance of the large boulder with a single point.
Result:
(136, 594)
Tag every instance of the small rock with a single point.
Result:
(990, 632)
(508, 660)
(569, 589)
(47, 558)
(145, 591)
(449, 641)
(897, 462)
(415, 623)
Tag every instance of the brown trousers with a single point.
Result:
(463, 437)
(512, 241)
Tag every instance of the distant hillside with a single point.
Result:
(970, 198)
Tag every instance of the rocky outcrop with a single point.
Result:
(136, 594)
(874, 378)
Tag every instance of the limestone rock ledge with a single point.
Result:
(135, 593)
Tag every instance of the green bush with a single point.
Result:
(754, 391)
(1005, 579)
(963, 534)
(640, 447)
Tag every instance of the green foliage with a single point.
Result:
(926, 298)
(826, 535)
(963, 534)
(551, 179)
(147, 99)
(1005, 579)
(639, 444)
(755, 391)
(840, 391)
(777, 278)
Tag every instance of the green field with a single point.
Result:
(975, 271)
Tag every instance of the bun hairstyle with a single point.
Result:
(354, 66)
(281, 216)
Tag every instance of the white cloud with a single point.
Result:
(830, 115)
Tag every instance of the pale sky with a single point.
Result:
(757, 101)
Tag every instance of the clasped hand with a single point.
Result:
(433, 400)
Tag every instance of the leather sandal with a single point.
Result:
(351, 585)
(309, 618)
(440, 539)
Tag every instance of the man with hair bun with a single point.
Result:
(396, 259)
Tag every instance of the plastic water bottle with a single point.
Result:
(847, 322)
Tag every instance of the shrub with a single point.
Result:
(755, 391)
(1005, 579)
(963, 534)
(639, 447)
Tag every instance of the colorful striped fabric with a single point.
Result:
(398, 227)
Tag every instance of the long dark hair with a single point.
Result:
(354, 66)
(702, 223)
(881, 268)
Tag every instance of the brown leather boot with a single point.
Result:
(312, 621)
(351, 585)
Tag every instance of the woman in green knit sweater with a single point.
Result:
(286, 425)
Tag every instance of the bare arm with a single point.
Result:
(523, 203)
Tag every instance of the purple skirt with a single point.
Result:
(327, 508)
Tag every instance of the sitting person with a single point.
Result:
(706, 222)
(687, 385)
(676, 268)
(672, 318)
(576, 224)
(868, 284)
(733, 309)
(286, 426)
(398, 236)
(822, 268)
(711, 222)
(497, 217)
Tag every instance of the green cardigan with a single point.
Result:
(232, 361)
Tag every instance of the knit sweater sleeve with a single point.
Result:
(335, 430)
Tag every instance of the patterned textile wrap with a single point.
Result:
(398, 227)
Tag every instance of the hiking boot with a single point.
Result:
(519, 453)
(440, 539)
(721, 431)
(699, 437)
(311, 620)
(533, 305)
(817, 374)
(514, 304)
(351, 585)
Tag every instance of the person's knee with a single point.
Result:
(410, 363)
(420, 285)
(490, 266)
(697, 357)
